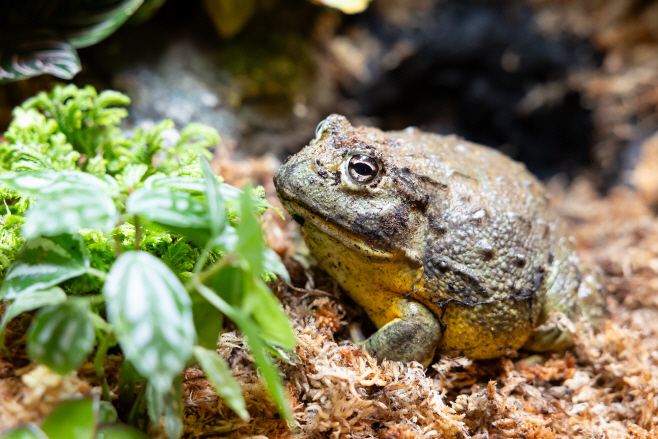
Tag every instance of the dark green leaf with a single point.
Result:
(266, 310)
(214, 197)
(72, 420)
(119, 432)
(208, 321)
(37, 55)
(84, 27)
(45, 262)
(250, 236)
(266, 368)
(229, 284)
(128, 377)
(219, 374)
(152, 316)
(62, 336)
(29, 431)
(69, 211)
(47, 182)
(27, 302)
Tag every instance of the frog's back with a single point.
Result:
(490, 243)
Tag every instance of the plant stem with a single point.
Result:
(96, 299)
(138, 233)
(202, 259)
(98, 365)
(138, 401)
(117, 247)
(99, 274)
(200, 278)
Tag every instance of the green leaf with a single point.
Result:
(272, 262)
(208, 321)
(152, 316)
(29, 431)
(47, 182)
(27, 302)
(168, 403)
(119, 432)
(250, 236)
(219, 374)
(266, 310)
(258, 347)
(72, 420)
(69, 211)
(107, 412)
(62, 336)
(173, 209)
(36, 55)
(181, 183)
(173, 410)
(198, 138)
(229, 194)
(227, 240)
(42, 263)
(267, 368)
(214, 197)
(89, 24)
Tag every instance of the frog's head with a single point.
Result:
(350, 182)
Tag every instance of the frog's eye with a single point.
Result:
(318, 129)
(362, 169)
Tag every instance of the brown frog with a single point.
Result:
(446, 244)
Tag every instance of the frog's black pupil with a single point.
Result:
(363, 169)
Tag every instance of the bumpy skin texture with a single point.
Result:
(452, 225)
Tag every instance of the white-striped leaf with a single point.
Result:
(62, 336)
(152, 316)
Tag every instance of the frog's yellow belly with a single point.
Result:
(483, 331)
(378, 279)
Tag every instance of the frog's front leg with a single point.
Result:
(408, 331)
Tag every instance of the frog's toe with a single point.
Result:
(549, 338)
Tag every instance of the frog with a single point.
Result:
(449, 246)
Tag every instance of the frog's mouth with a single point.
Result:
(305, 218)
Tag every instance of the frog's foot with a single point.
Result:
(551, 336)
(412, 336)
(586, 302)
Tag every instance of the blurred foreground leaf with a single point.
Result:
(40, 37)
(72, 420)
(62, 336)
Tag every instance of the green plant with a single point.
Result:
(39, 36)
(134, 242)
(78, 419)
